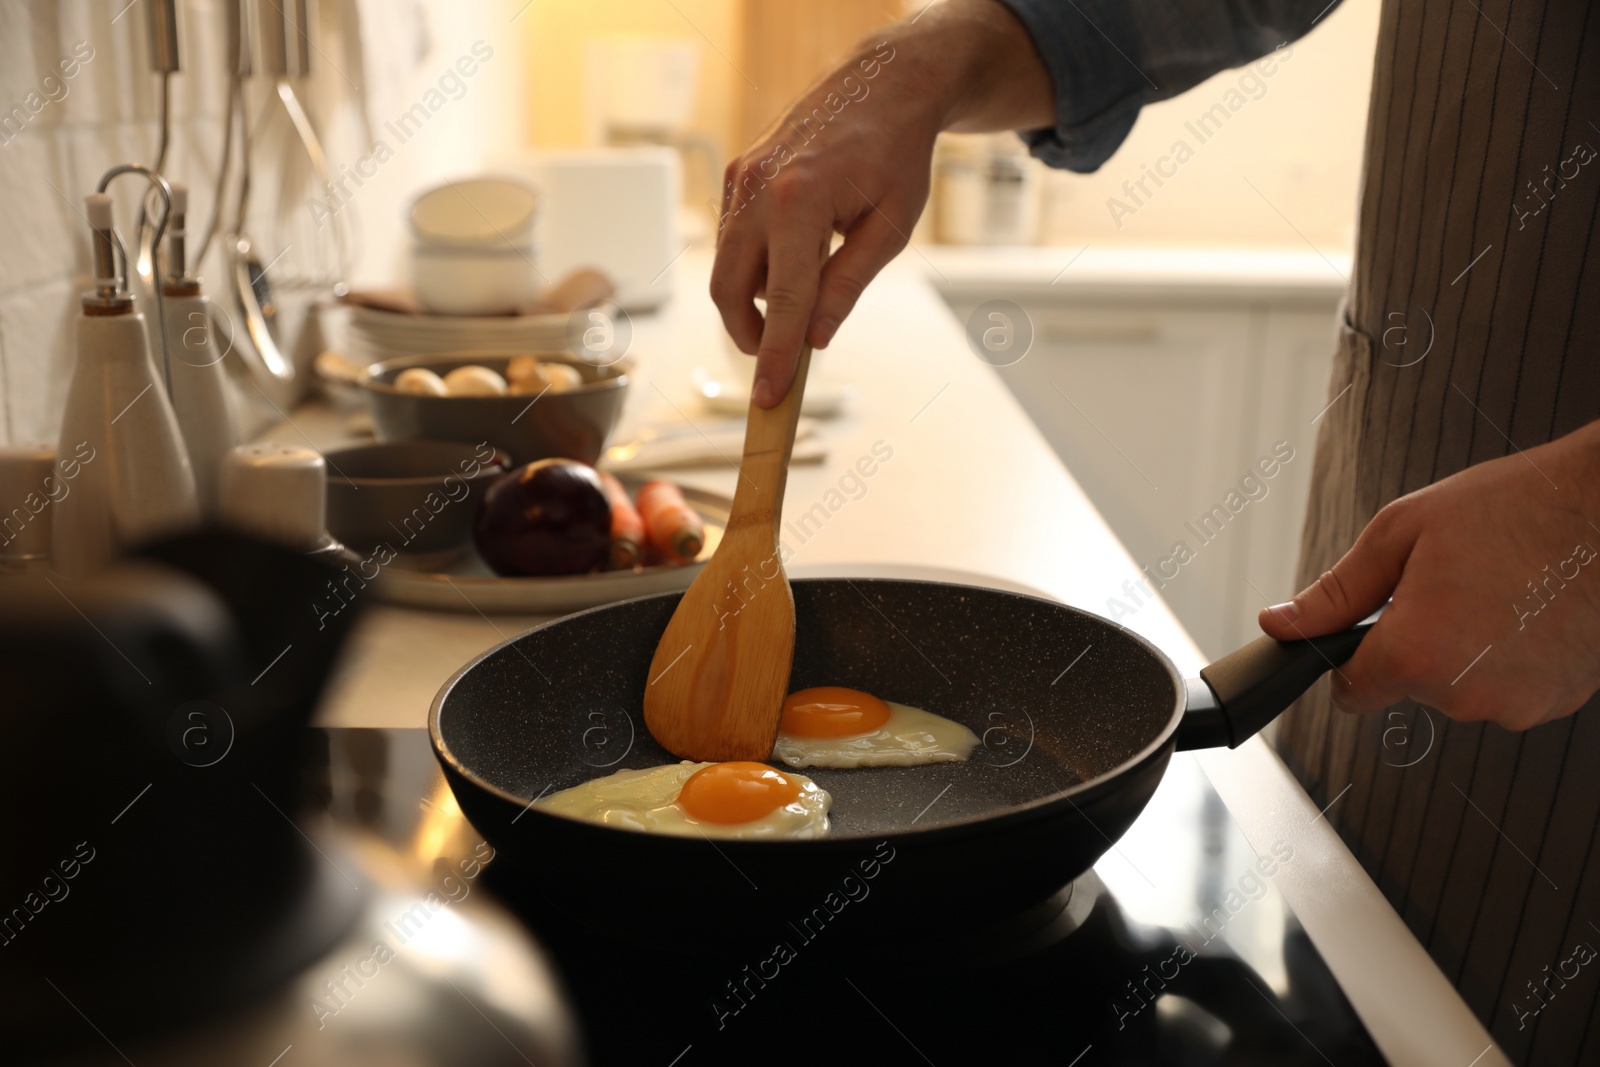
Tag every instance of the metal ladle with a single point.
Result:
(235, 44)
(251, 286)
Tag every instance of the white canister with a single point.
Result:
(614, 210)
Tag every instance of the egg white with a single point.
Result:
(910, 737)
(648, 800)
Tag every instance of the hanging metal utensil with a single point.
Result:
(235, 46)
(301, 40)
(163, 20)
(319, 259)
(251, 287)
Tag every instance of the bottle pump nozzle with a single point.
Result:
(178, 282)
(109, 296)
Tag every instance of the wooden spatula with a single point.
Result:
(721, 670)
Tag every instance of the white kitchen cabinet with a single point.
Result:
(1162, 402)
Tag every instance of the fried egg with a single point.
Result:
(831, 726)
(714, 799)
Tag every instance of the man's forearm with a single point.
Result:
(979, 63)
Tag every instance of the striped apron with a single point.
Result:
(1478, 206)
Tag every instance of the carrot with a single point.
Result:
(674, 528)
(627, 528)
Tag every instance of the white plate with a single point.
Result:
(377, 335)
(424, 335)
(469, 586)
(394, 322)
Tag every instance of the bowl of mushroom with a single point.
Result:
(537, 405)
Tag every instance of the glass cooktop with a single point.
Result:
(1176, 949)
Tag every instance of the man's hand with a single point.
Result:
(852, 156)
(1495, 577)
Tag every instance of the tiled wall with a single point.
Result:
(58, 134)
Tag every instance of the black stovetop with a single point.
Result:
(1176, 949)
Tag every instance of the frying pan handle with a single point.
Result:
(1235, 697)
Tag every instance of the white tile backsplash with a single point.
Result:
(35, 235)
(107, 115)
(37, 324)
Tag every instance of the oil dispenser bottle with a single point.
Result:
(194, 356)
(136, 482)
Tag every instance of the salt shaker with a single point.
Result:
(275, 492)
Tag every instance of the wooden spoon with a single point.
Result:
(721, 669)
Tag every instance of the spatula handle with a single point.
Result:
(768, 444)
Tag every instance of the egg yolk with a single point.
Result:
(736, 792)
(832, 711)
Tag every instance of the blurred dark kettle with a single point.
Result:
(156, 891)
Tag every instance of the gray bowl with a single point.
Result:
(570, 425)
(415, 497)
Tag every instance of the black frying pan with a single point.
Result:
(1078, 718)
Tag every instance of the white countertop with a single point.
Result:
(972, 486)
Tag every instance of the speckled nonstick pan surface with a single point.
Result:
(1077, 717)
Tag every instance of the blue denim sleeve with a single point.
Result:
(1108, 58)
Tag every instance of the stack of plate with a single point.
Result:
(378, 335)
